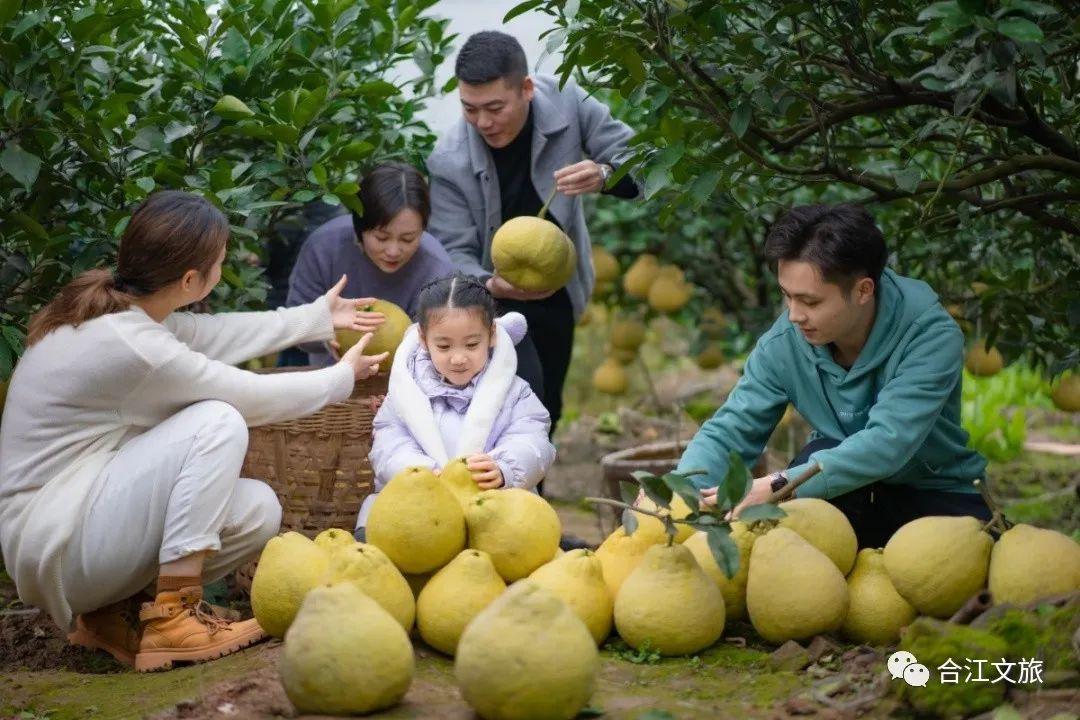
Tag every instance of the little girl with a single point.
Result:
(454, 393)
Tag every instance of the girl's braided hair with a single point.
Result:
(454, 291)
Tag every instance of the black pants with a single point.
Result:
(878, 510)
(544, 354)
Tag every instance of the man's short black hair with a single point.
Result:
(490, 55)
(842, 241)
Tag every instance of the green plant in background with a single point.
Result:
(992, 409)
(259, 105)
(954, 121)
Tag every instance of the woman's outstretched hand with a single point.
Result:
(348, 313)
(363, 366)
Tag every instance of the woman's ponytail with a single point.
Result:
(170, 233)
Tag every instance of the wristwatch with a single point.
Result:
(606, 171)
(779, 480)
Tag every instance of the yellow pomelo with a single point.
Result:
(610, 377)
(368, 568)
(669, 293)
(577, 578)
(1065, 395)
(640, 275)
(733, 589)
(654, 527)
(386, 337)
(454, 596)
(620, 554)
(605, 265)
(794, 591)
(710, 357)
(824, 526)
(712, 321)
(876, 613)
(516, 527)
(533, 254)
(601, 290)
(627, 334)
(345, 655)
(457, 477)
(982, 361)
(670, 603)
(620, 355)
(937, 563)
(527, 656)
(334, 538)
(1030, 563)
(289, 566)
(417, 522)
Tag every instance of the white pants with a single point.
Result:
(172, 491)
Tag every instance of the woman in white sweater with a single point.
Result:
(124, 431)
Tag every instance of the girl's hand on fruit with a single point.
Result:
(363, 366)
(708, 497)
(334, 348)
(580, 178)
(499, 287)
(485, 471)
(347, 313)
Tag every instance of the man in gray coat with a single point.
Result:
(519, 139)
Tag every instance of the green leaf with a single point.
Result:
(8, 10)
(357, 150)
(150, 139)
(685, 489)
(949, 10)
(347, 187)
(908, 179)
(521, 9)
(657, 491)
(737, 480)
(657, 179)
(629, 522)
(764, 511)
(1031, 8)
(634, 65)
(232, 108)
(378, 89)
(175, 131)
(310, 103)
(724, 550)
(628, 491)
(703, 186)
(30, 225)
(1020, 29)
(740, 119)
(146, 184)
(20, 164)
(285, 104)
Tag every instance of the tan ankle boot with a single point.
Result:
(180, 627)
(113, 628)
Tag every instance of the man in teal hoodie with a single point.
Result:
(873, 363)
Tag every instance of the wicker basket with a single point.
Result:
(318, 465)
